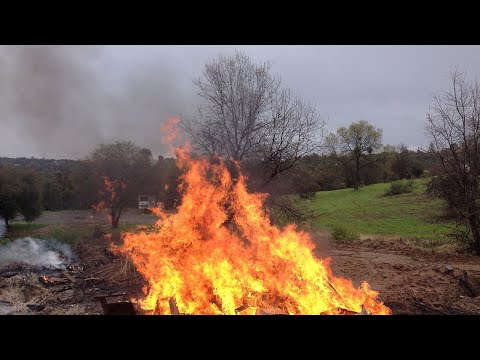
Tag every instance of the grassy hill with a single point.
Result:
(368, 212)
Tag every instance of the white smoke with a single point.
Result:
(36, 252)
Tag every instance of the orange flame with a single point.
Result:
(171, 133)
(220, 254)
(110, 194)
(170, 130)
(113, 187)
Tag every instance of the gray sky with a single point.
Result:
(61, 101)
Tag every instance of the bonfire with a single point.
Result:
(219, 253)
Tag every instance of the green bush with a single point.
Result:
(400, 187)
(339, 232)
(309, 195)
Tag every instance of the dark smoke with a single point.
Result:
(61, 101)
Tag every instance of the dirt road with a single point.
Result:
(129, 216)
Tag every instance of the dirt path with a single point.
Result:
(129, 216)
(410, 280)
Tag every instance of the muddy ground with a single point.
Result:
(410, 280)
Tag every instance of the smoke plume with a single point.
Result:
(36, 252)
(62, 101)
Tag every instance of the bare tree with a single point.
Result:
(453, 124)
(355, 145)
(237, 94)
(247, 117)
(293, 131)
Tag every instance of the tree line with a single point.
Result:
(29, 190)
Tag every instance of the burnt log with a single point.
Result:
(36, 307)
(51, 280)
(10, 274)
(173, 306)
(270, 311)
(117, 305)
(69, 277)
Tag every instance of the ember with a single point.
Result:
(220, 254)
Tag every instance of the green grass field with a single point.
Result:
(368, 212)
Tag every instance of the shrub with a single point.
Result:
(399, 187)
(339, 232)
(308, 195)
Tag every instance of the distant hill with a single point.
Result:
(43, 165)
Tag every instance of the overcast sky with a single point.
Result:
(61, 101)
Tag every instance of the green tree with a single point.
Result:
(51, 193)
(9, 191)
(51, 196)
(29, 196)
(20, 192)
(123, 168)
(355, 146)
(85, 185)
(407, 163)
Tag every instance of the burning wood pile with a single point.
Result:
(220, 254)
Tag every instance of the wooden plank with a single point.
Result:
(69, 277)
(270, 311)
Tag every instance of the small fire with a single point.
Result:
(220, 254)
(171, 133)
(110, 194)
(113, 187)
